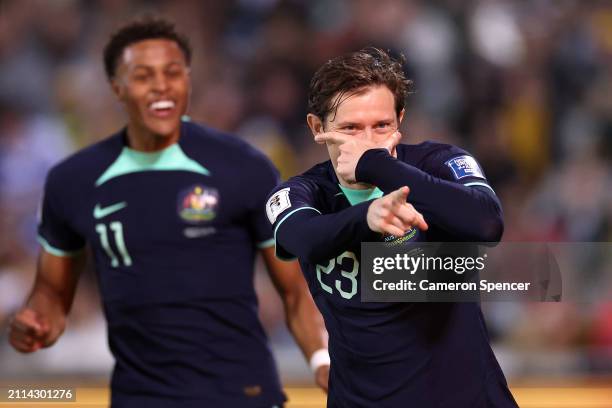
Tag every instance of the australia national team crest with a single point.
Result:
(198, 203)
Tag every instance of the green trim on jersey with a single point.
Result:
(478, 183)
(266, 244)
(171, 158)
(355, 196)
(55, 251)
(282, 258)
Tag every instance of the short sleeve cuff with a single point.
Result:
(56, 251)
(266, 244)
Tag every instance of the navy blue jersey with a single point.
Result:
(174, 235)
(389, 354)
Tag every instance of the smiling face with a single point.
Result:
(368, 114)
(152, 81)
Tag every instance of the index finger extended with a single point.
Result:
(332, 137)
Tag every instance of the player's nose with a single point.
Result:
(367, 133)
(160, 83)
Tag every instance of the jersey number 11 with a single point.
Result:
(117, 229)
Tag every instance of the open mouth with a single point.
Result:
(162, 108)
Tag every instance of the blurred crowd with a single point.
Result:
(525, 86)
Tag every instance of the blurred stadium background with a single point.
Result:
(524, 85)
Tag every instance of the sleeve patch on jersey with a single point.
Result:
(278, 203)
(465, 166)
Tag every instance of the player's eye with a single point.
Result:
(141, 76)
(383, 125)
(175, 72)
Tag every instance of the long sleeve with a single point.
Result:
(302, 231)
(313, 237)
(468, 210)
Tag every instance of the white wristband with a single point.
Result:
(319, 358)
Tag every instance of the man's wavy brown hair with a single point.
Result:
(350, 73)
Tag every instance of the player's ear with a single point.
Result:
(314, 123)
(400, 117)
(117, 88)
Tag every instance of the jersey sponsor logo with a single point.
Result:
(278, 203)
(101, 212)
(465, 166)
(198, 203)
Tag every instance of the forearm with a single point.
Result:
(480, 218)
(43, 297)
(43, 318)
(56, 281)
(303, 318)
(313, 237)
(305, 323)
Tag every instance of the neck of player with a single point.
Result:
(354, 186)
(146, 141)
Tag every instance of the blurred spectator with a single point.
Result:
(524, 86)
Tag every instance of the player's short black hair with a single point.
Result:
(350, 73)
(138, 30)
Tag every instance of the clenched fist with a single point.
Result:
(30, 331)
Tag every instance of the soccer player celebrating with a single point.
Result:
(173, 213)
(387, 354)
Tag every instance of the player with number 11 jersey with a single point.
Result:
(156, 222)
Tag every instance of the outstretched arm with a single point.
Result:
(313, 237)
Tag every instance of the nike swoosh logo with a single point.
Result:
(101, 212)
